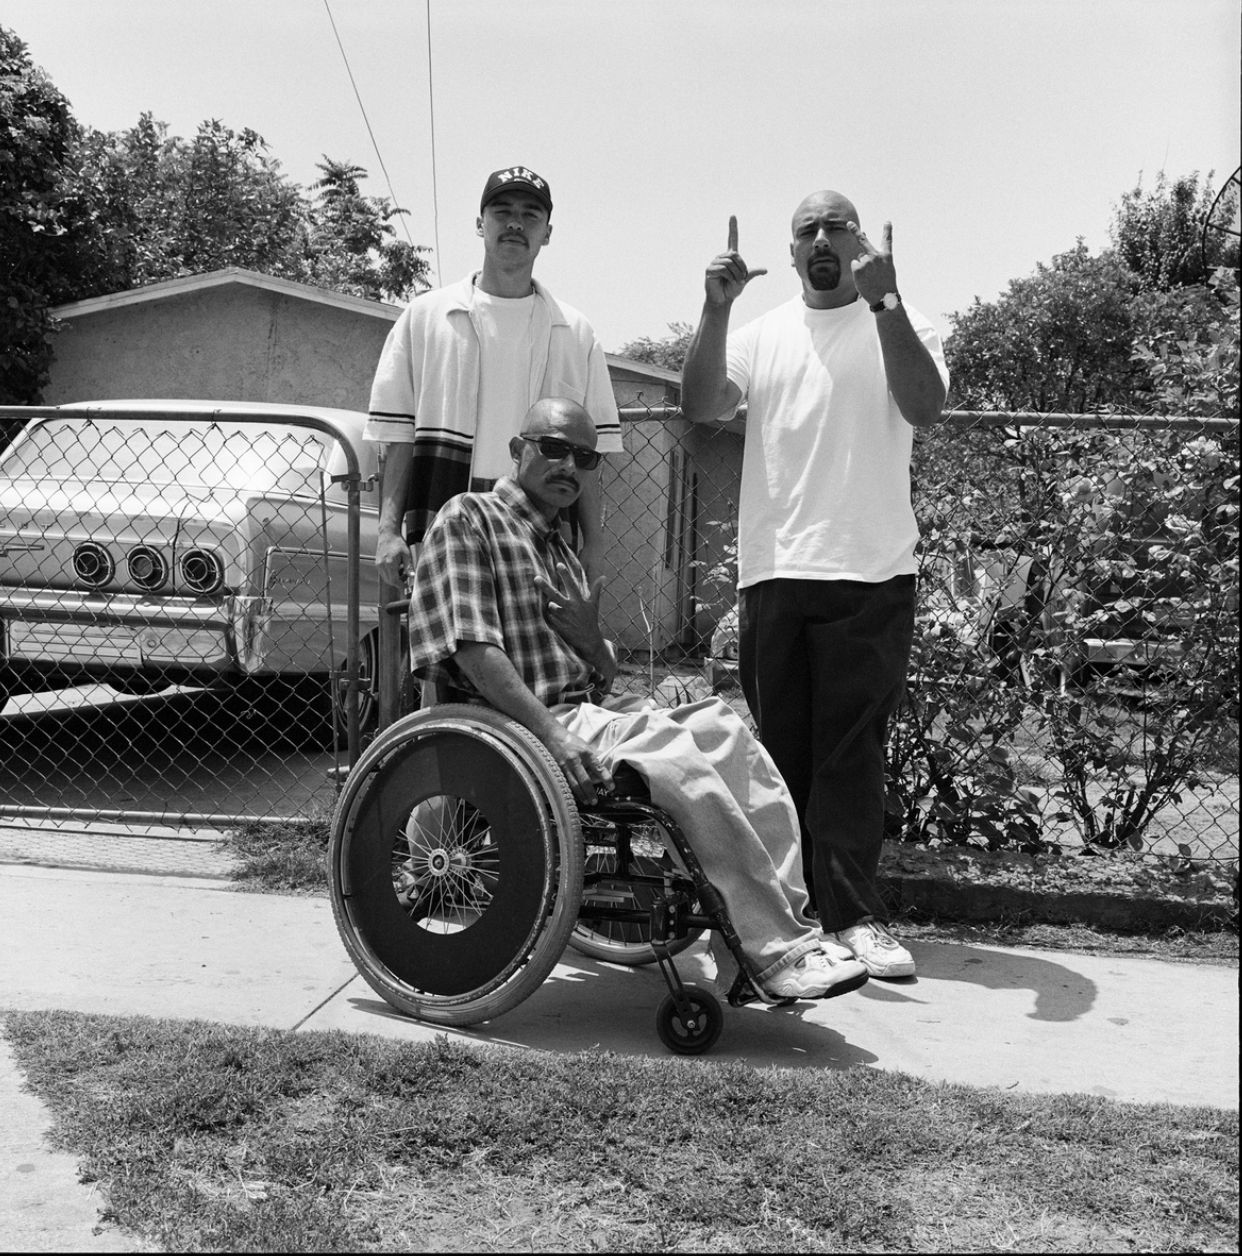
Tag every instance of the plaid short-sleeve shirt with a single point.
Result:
(474, 581)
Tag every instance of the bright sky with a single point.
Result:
(992, 133)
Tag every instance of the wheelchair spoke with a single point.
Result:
(446, 867)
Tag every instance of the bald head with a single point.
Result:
(558, 416)
(557, 435)
(825, 204)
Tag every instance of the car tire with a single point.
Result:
(304, 711)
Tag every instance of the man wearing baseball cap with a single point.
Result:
(464, 363)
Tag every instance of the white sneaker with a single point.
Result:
(817, 975)
(877, 949)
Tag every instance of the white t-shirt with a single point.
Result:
(505, 327)
(826, 464)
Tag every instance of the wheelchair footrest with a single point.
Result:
(744, 991)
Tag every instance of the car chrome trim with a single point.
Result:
(147, 567)
(93, 564)
(201, 571)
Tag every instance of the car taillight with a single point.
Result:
(147, 568)
(93, 565)
(201, 570)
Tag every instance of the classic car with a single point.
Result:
(145, 544)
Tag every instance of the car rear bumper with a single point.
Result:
(67, 627)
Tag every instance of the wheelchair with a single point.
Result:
(461, 867)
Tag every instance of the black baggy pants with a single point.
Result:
(823, 666)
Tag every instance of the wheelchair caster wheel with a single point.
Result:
(692, 1034)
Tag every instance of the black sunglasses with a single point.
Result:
(554, 450)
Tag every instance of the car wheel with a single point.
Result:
(309, 710)
(368, 692)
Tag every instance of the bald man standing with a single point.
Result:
(835, 382)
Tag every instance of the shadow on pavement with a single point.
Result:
(1061, 994)
(594, 1006)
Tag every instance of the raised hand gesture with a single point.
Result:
(873, 269)
(727, 273)
(573, 611)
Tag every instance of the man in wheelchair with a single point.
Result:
(501, 613)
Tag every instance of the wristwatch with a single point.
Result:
(889, 301)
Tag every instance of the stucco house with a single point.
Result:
(237, 335)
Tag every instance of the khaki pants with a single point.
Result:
(706, 769)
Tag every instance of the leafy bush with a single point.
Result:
(1047, 552)
(952, 771)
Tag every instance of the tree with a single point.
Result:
(669, 352)
(351, 245)
(1186, 340)
(1058, 341)
(85, 212)
(39, 216)
(167, 207)
(1111, 331)
(1159, 234)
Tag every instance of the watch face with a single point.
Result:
(891, 300)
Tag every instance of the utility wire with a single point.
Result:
(431, 109)
(358, 97)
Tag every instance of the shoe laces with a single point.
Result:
(877, 933)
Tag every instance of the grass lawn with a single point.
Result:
(207, 1138)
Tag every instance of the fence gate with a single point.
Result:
(187, 636)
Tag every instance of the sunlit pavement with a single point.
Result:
(1128, 1028)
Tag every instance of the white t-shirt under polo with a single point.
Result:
(826, 465)
(505, 326)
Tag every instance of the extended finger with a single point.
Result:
(861, 237)
(732, 247)
(886, 240)
(569, 580)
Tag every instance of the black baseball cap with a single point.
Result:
(514, 179)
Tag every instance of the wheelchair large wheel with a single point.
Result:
(455, 864)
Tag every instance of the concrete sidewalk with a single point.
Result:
(194, 947)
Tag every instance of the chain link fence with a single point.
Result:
(187, 635)
(1074, 679)
(190, 618)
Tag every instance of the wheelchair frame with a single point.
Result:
(460, 867)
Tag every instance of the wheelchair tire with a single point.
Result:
(696, 1034)
(618, 941)
(455, 864)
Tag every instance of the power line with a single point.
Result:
(358, 97)
(431, 109)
